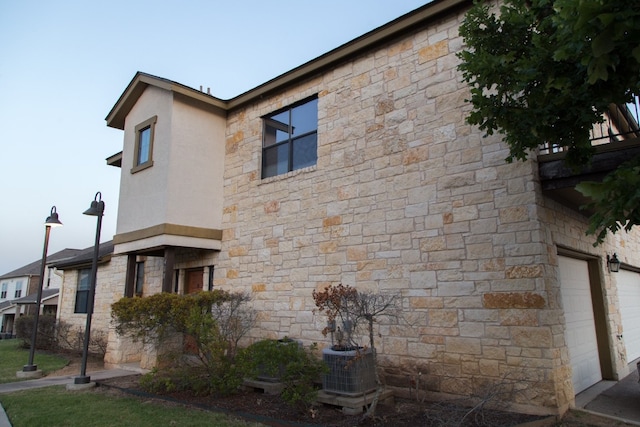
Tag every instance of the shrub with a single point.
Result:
(46, 338)
(71, 338)
(290, 363)
(216, 321)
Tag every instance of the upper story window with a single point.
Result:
(143, 151)
(3, 293)
(290, 139)
(18, 292)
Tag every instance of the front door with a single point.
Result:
(194, 280)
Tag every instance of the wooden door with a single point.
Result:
(194, 281)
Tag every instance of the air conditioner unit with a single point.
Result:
(351, 372)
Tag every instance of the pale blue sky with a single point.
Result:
(63, 65)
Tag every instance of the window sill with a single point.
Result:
(142, 167)
(288, 175)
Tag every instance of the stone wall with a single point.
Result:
(407, 198)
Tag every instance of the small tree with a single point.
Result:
(353, 309)
(543, 71)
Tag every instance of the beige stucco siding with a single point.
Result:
(143, 197)
(184, 185)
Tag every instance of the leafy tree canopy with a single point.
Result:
(546, 71)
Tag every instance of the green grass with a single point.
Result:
(14, 358)
(55, 406)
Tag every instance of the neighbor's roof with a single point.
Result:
(6, 304)
(84, 258)
(394, 29)
(33, 269)
(32, 298)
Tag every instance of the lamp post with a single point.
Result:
(96, 209)
(52, 221)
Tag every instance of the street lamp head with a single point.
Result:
(97, 206)
(52, 220)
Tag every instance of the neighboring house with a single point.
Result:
(74, 293)
(23, 282)
(358, 168)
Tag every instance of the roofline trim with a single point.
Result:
(388, 31)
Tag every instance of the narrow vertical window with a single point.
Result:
(210, 281)
(3, 293)
(82, 293)
(143, 151)
(139, 277)
(143, 147)
(18, 292)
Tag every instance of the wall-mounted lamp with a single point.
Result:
(613, 263)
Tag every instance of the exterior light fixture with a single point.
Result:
(30, 370)
(96, 209)
(613, 263)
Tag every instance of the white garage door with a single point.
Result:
(629, 299)
(581, 331)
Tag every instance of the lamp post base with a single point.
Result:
(81, 383)
(29, 372)
(82, 379)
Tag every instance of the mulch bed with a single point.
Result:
(271, 410)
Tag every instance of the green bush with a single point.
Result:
(288, 362)
(215, 322)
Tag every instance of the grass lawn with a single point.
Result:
(55, 406)
(14, 358)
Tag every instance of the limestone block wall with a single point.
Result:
(405, 198)
(122, 349)
(109, 284)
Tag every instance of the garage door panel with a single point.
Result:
(580, 331)
(628, 284)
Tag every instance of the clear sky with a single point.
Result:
(63, 65)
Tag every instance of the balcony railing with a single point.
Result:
(621, 123)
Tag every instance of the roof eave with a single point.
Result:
(389, 31)
(117, 115)
(378, 36)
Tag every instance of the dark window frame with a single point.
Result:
(290, 142)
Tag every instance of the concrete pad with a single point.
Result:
(29, 375)
(80, 387)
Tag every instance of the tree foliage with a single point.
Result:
(545, 71)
